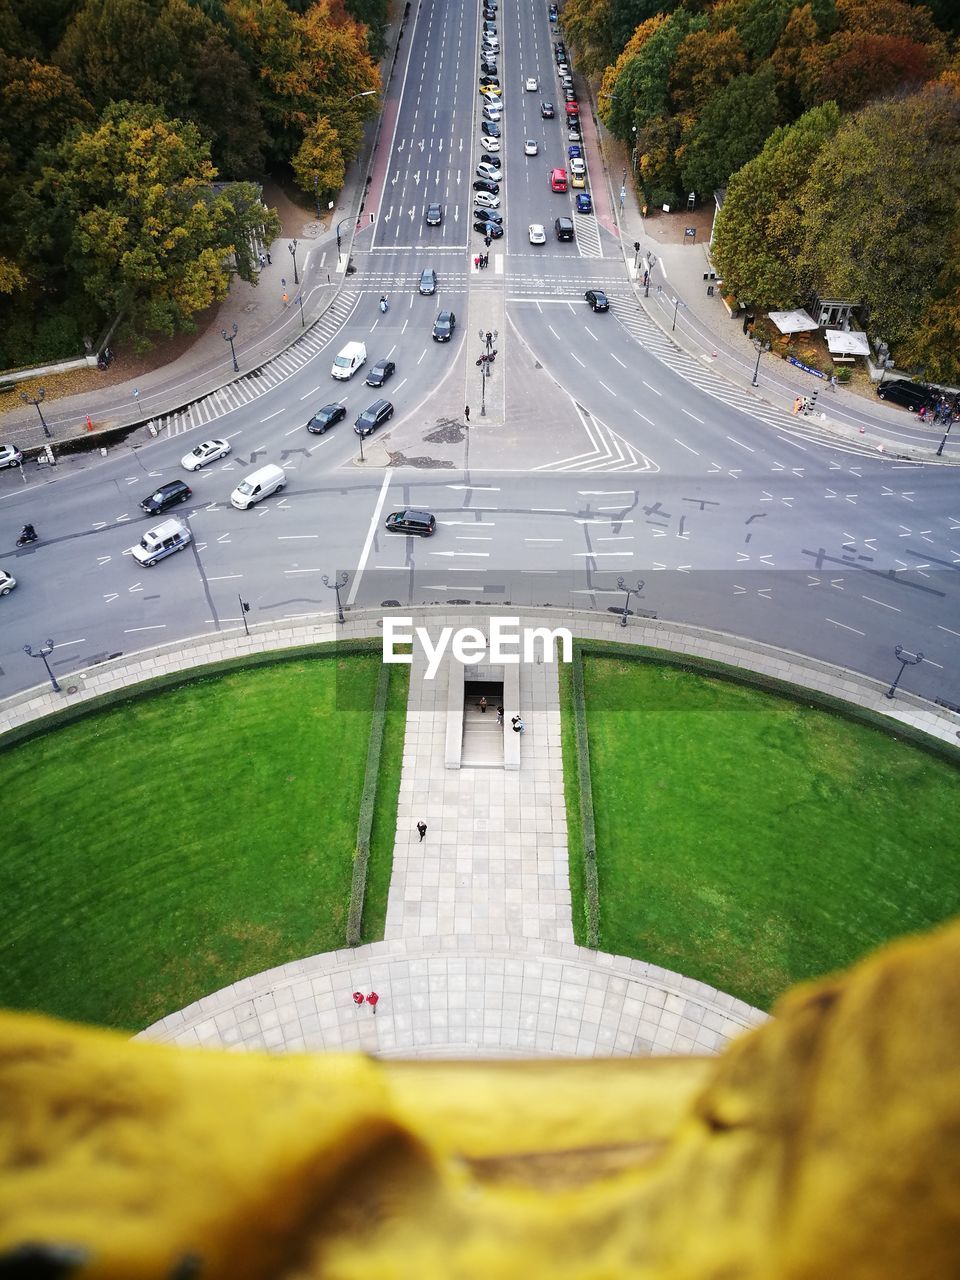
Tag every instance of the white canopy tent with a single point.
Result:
(798, 321)
(840, 342)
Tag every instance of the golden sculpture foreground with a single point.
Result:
(824, 1144)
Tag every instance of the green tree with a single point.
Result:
(120, 49)
(39, 105)
(758, 234)
(318, 165)
(733, 127)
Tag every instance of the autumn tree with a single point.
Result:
(705, 61)
(319, 165)
(39, 104)
(856, 66)
(758, 234)
(734, 125)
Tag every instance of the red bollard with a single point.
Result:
(89, 423)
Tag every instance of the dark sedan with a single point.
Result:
(598, 300)
(434, 215)
(420, 523)
(488, 215)
(326, 417)
(911, 395)
(490, 129)
(484, 184)
(546, 111)
(381, 372)
(491, 229)
(444, 326)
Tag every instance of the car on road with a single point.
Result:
(7, 582)
(488, 228)
(376, 415)
(326, 417)
(484, 200)
(207, 451)
(434, 215)
(553, 13)
(488, 215)
(532, 84)
(575, 151)
(484, 184)
(489, 82)
(546, 111)
(536, 233)
(578, 179)
(487, 170)
(490, 144)
(910, 395)
(584, 202)
(380, 373)
(168, 495)
(597, 299)
(491, 93)
(488, 68)
(489, 129)
(420, 523)
(444, 326)
(428, 282)
(573, 131)
(573, 108)
(161, 541)
(569, 94)
(490, 47)
(564, 228)
(577, 165)
(530, 147)
(492, 113)
(10, 455)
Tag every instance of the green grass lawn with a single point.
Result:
(176, 843)
(751, 841)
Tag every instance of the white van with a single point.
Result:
(161, 541)
(258, 484)
(353, 355)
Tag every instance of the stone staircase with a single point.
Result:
(482, 737)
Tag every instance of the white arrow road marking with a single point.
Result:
(764, 593)
(109, 598)
(739, 591)
(137, 586)
(457, 586)
(767, 559)
(594, 493)
(870, 544)
(742, 556)
(837, 583)
(906, 532)
(104, 559)
(831, 493)
(812, 581)
(224, 537)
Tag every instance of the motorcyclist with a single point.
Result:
(28, 533)
(383, 303)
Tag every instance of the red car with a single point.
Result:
(573, 108)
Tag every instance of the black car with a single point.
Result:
(564, 228)
(490, 80)
(488, 68)
(168, 495)
(428, 282)
(490, 129)
(380, 373)
(443, 327)
(488, 215)
(326, 417)
(546, 111)
(378, 413)
(434, 215)
(911, 395)
(491, 229)
(598, 299)
(421, 523)
(484, 184)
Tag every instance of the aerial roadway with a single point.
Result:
(603, 451)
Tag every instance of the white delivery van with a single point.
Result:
(258, 484)
(353, 355)
(160, 541)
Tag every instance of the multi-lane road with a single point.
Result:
(607, 450)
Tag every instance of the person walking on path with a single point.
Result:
(422, 828)
(482, 704)
(518, 725)
(499, 715)
(466, 412)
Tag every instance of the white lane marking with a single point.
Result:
(272, 415)
(158, 626)
(225, 577)
(293, 537)
(62, 644)
(606, 388)
(941, 627)
(693, 416)
(648, 421)
(695, 452)
(835, 623)
(618, 360)
(741, 444)
(374, 524)
(882, 604)
(653, 389)
(578, 360)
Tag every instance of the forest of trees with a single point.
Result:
(833, 124)
(133, 138)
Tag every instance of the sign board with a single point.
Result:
(690, 233)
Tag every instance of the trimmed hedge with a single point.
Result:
(368, 800)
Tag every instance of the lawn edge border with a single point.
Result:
(368, 800)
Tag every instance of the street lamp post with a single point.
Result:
(631, 591)
(906, 660)
(676, 308)
(316, 193)
(229, 337)
(944, 440)
(339, 582)
(42, 652)
(292, 246)
(136, 397)
(35, 401)
(339, 225)
(761, 346)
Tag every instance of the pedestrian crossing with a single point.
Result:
(251, 386)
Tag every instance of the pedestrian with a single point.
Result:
(486, 260)
(833, 382)
(286, 299)
(489, 339)
(518, 725)
(476, 263)
(422, 828)
(482, 704)
(372, 999)
(487, 241)
(466, 412)
(499, 715)
(922, 415)
(263, 261)
(646, 278)
(358, 998)
(269, 259)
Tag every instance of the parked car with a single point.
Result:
(380, 373)
(10, 455)
(492, 113)
(537, 234)
(488, 228)
(379, 412)
(488, 68)
(546, 110)
(530, 147)
(168, 495)
(326, 417)
(428, 282)
(911, 395)
(434, 215)
(486, 170)
(573, 108)
(578, 179)
(575, 151)
(553, 13)
(584, 202)
(489, 81)
(485, 184)
(444, 326)
(488, 215)
(7, 582)
(484, 200)
(490, 144)
(489, 129)
(207, 451)
(420, 523)
(597, 299)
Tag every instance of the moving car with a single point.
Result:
(584, 202)
(911, 395)
(381, 372)
(444, 326)
(428, 282)
(530, 147)
(208, 451)
(484, 184)
(532, 84)
(326, 417)
(379, 412)
(597, 299)
(258, 485)
(546, 110)
(161, 541)
(564, 228)
(7, 582)
(167, 496)
(488, 228)
(558, 180)
(10, 455)
(434, 215)
(420, 523)
(537, 233)
(348, 361)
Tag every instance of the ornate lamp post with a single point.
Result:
(337, 585)
(43, 652)
(906, 660)
(292, 246)
(35, 401)
(229, 337)
(631, 591)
